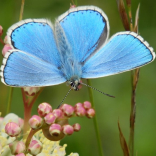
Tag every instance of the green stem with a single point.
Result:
(21, 11)
(95, 120)
(9, 101)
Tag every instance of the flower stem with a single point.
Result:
(130, 15)
(32, 132)
(95, 119)
(9, 101)
(28, 103)
(135, 77)
(21, 11)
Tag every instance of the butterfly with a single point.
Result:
(75, 47)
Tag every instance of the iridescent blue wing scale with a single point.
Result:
(23, 69)
(124, 51)
(86, 29)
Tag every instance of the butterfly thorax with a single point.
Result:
(74, 82)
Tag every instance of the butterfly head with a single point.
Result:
(74, 82)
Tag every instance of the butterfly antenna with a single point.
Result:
(97, 90)
(64, 98)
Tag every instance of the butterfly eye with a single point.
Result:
(74, 85)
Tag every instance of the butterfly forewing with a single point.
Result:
(35, 36)
(86, 29)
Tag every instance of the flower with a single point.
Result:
(35, 147)
(67, 109)
(51, 148)
(55, 129)
(5, 49)
(68, 129)
(76, 127)
(35, 122)
(12, 129)
(31, 91)
(11, 117)
(43, 109)
(5, 139)
(17, 147)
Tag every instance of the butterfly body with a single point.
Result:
(75, 47)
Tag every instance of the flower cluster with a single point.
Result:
(47, 128)
(12, 144)
(54, 123)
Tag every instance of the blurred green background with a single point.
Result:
(108, 110)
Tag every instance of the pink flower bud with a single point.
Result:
(21, 154)
(67, 109)
(31, 91)
(68, 129)
(35, 122)
(1, 30)
(57, 112)
(78, 105)
(80, 111)
(50, 118)
(12, 129)
(87, 105)
(76, 127)
(55, 129)
(17, 147)
(90, 113)
(52, 137)
(35, 147)
(44, 109)
(20, 122)
(5, 49)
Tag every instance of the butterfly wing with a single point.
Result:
(124, 51)
(35, 36)
(22, 69)
(86, 29)
(35, 60)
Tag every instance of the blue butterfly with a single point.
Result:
(75, 47)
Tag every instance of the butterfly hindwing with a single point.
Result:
(86, 29)
(22, 69)
(124, 51)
